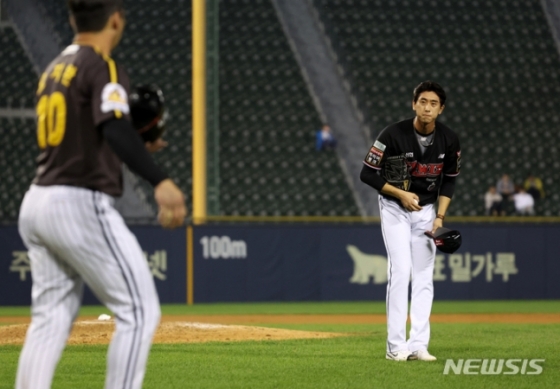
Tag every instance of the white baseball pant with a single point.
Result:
(410, 256)
(75, 235)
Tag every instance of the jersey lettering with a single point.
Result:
(56, 73)
(42, 83)
(425, 169)
(77, 92)
(61, 73)
(68, 75)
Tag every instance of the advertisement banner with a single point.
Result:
(15, 274)
(164, 251)
(311, 262)
(349, 262)
(256, 263)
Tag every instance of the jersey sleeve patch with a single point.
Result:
(378, 145)
(374, 156)
(114, 98)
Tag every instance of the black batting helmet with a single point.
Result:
(446, 240)
(148, 112)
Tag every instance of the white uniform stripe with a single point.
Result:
(138, 309)
(69, 243)
(66, 232)
(98, 208)
(409, 252)
(132, 289)
(390, 269)
(53, 304)
(98, 213)
(52, 340)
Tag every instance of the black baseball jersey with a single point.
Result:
(78, 91)
(398, 157)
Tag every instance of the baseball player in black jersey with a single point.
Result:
(67, 220)
(412, 164)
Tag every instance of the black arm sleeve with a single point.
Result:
(370, 177)
(447, 186)
(127, 144)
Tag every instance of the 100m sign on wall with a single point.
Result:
(217, 247)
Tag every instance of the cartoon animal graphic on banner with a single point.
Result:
(366, 266)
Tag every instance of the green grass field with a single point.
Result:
(356, 361)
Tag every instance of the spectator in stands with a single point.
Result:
(506, 188)
(324, 139)
(493, 202)
(524, 203)
(534, 186)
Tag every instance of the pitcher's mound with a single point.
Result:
(100, 332)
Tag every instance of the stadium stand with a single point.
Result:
(17, 164)
(496, 59)
(17, 87)
(267, 122)
(498, 63)
(17, 77)
(267, 119)
(57, 12)
(156, 48)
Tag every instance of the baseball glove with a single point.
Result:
(396, 172)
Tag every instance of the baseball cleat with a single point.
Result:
(422, 355)
(400, 356)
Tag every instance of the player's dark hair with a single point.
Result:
(429, 86)
(92, 15)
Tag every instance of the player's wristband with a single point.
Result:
(440, 216)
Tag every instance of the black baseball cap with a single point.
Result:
(447, 241)
(147, 111)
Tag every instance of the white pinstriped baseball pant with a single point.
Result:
(75, 235)
(410, 256)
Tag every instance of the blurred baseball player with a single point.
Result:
(411, 164)
(67, 219)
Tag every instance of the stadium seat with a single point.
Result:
(17, 78)
(267, 119)
(497, 61)
(17, 164)
(163, 57)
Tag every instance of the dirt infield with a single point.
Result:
(100, 332)
(223, 328)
